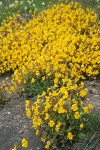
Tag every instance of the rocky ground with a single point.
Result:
(14, 125)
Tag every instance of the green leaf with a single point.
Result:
(81, 136)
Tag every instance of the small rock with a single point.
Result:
(96, 95)
(9, 113)
(21, 131)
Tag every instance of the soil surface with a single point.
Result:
(94, 93)
(14, 125)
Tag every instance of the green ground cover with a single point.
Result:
(9, 7)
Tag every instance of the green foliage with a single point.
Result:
(93, 123)
(33, 89)
(9, 7)
(3, 97)
(26, 8)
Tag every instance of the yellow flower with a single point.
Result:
(23, 89)
(57, 127)
(43, 93)
(27, 103)
(86, 109)
(61, 110)
(81, 125)
(77, 115)
(32, 80)
(24, 143)
(90, 106)
(47, 107)
(12, 88)
(51, 123)
(43, 78)
(15, 148)
(28, 112)
(62, 102)
(83, 92)
(24, 81)
(46, 116)
(48, 145)
(43, 139)
(70, 136)
(87, 99)
(37, 73)
(55, 107)
(0, 87)
(6, 88)
(74, 107)
(39, 121)
(37, 132)
(36, 111)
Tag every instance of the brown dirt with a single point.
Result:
(94, 93)
(14, 125)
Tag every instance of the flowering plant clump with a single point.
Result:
(8, 34)
(63, 38)
(56, 50)
(58, 115)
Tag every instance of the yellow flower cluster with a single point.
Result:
(54, 114)
(24, 143)
(10, 55)
(70, 136)
(62, 43)
(59, 40)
